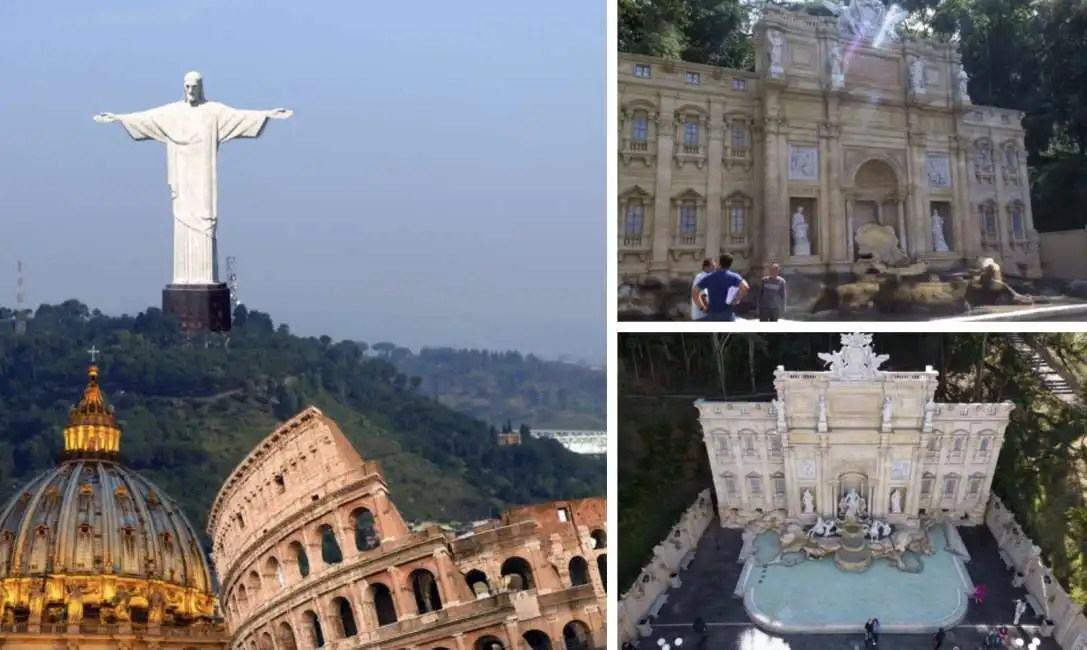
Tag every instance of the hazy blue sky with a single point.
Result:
(442, 181)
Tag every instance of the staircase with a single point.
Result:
(1048, 375)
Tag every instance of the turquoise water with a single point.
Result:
(816, 592)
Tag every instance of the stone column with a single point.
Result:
(776, 228)
(716, 152)
(824, 495)
(967, 227)
(901, 221)
(792, 486)
(401, 593)
(916, 193)
(850, 245)
(741, 474)
(458, 640)
(913, 489)
(879, 213)
(1003, 219)
(448, 591)
(662, 200)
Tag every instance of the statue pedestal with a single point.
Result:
(198, 307)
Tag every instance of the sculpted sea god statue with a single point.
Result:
(192, 130)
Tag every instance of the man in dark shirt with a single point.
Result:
(712, 292)
(772, 295)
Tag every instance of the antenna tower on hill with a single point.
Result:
(232, 281)
(20, 308)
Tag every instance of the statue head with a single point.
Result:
(194, 88)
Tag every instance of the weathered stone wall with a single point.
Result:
(668, 559)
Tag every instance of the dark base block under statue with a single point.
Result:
(198, 307)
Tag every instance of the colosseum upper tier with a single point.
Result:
(311, 552)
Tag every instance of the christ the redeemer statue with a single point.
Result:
(192, 130)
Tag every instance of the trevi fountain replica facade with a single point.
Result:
(848, 487)
(851, 151)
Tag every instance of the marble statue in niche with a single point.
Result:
(939, 241)
(964, 82)
(896, 502)
(775, 50)
(834, 63)
(801, 243)
(917, 77)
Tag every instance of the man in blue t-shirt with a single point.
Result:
(711, 293)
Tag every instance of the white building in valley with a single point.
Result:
(853, 427)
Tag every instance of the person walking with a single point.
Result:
(707, 267)
(718, 293)
(773, 297)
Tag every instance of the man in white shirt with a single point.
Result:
(707, 267)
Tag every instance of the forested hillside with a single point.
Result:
(191, 409)
(1028, 56)
(499, 387)
(1041, 474)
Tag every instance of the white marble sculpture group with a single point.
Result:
(192, 130)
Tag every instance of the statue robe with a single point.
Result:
(192, 135)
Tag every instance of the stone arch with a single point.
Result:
(600, 539)
(517, 574)
(367, 536)
(478, 583)
(313, 628)
(602, 569)
(345, 618)
(273, 573)
(639, 104)
(576, 636)
(266, 642)
(488, 642)
(536, 640)
(424, 586)
(384, 607)
(242, 599)
(692, 109)
(879, 171)
(253, 584)
(579, 571)
(300, 558)
(330, 546)
(285, 634)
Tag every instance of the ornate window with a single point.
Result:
(926, 484)
(956, 447)
(749, 445)
(989, 224)
(730, 485)
(774, 445)
(722, 443)
(933, 444)
(634, 221)
(983, 160)
(639, 126)
(691, 133)
(1011, 163)
(693, 78)
(739, 84)
(1017, 217)
(736, 210)
(643, 70)
(973, 488)
(754, 484)
(779, 483)
(951, 484)
(688, 222)
(985, 444)
(739, 139)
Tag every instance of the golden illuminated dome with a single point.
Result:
(100, 540)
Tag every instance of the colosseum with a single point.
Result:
(311, 552)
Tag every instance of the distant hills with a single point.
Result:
(191, 409)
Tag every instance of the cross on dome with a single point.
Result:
(94, 352)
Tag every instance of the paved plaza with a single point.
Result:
(708, 585)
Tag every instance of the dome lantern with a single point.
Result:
(92, 430)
